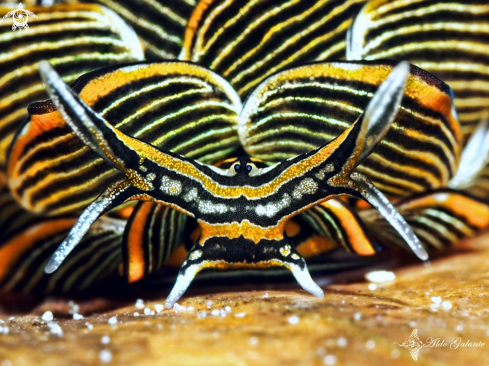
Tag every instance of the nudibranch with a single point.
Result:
(241, 210)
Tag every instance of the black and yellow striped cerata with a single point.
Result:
(241, 210)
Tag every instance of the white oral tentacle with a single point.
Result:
(181, 285)
(304, 279)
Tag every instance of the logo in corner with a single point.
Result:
(20, 16)
(413, 344)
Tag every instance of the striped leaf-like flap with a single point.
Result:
(246, 41)
(23, 256)
(448, 39)
(439, 218)
(152, 234)
(75, 39)
(160, 24)
(175, 106)
(336, 221)
(13, 217)
(27, 241)
(299, 109)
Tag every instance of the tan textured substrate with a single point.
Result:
(352, 325)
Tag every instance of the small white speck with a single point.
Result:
(342, 342)
(89, 326)
(159, 308)
(240, 315)
(459, 328)
(329, 360)
(380, 276)
(152, 313)
(47, 316)
(427, 294)
(136, 313)
(446, 305)
(147, 311)
(395, 353)
(113, 320)
(227, 308)
(370, 344)
(105, 340)
(253, 341)
(139, 304)
(215, 312)
(5, 330)
(436, 299)
(412, 324)
(77, 316)
(223, 313)
(1, 321)
(266, 295)
(190, 308)
(55, 328)
(294, 319)
(372, 286)
(209, 304)
(357, 316)
(105, 356)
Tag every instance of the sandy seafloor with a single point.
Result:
(354, 324)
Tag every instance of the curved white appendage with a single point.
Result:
(304, 279)
(97, 208)
(377, 199)
(383, 107)
(475, 156)
(181, 285)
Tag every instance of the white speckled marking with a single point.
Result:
(209, 207)
(196, 254)
(171, 187)
(327, 169)
(271, 209)
(192, 195)
(307, 186)
(285, 250)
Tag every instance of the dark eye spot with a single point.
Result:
(248, 168)
(237, 167)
